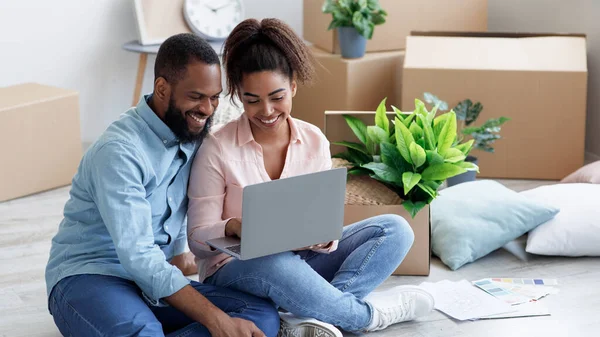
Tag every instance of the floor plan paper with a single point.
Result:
(463, 301)
(523, 310)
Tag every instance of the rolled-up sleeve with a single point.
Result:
(117, 176)
(206, 193)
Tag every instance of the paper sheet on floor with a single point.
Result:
(529, 309)
(463, 301)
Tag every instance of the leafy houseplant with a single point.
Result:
(483, 136)
(412, 155)
(355, 21)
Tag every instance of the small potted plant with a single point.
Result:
(355, 21)
(483, 136)
(411, 155)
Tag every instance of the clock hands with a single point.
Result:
(219, 8)
(213, 19)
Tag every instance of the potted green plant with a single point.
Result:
(355, 21)
(412, 155)
(483, 136)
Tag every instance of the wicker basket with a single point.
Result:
(363, 190)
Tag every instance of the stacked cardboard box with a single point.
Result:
(349, 84)
(360, 84)
(403, 17)
(40, 141)
(537, 80)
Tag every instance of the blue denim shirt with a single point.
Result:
(126, 213)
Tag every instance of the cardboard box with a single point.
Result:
(40, 141)
(403, 17)
(537, 80)
(357, 84)
(417, 261)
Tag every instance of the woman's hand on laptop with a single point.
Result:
(317, 246)
(234, 227)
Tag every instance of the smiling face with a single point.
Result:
(193, 100)
(267, 99)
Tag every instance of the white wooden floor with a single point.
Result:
(28, 224)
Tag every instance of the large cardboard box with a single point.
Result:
(40, 141)
(403, 17)
(537, 80)
(342, 84)
(418, 259)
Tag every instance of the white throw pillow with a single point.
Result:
(575, 230)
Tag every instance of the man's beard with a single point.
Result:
(177, 122)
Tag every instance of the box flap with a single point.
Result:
(30, 93)
(496, 51)
(492, 34)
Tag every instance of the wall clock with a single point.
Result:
(213, 20)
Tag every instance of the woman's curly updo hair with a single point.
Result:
(266, 45)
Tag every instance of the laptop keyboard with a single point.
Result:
(236, 249)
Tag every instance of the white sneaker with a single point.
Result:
(399, 304)
(294, 326)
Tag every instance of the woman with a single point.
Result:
(329, 282)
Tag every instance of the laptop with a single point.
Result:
(287, 214)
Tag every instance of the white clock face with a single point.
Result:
(213, 19)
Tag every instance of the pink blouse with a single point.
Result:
(230, 159)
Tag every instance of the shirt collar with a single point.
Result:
(155, 123)
(295, 134)
(244, 132)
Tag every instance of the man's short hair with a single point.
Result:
(176, 52)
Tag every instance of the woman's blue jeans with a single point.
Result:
(328, 287)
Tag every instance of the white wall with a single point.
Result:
(571, 16)
(76, 44)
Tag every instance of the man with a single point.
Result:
(115, 266)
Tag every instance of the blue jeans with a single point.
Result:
(328, 287)
(97, 305)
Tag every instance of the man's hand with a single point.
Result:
(234, 327)
(186, 262)
(200, 309)
(234, 227)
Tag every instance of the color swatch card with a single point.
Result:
(527, 281)
(513, 293)
(462, 301)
